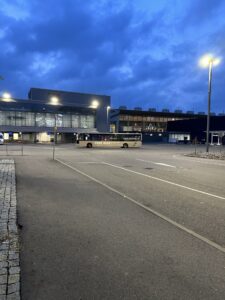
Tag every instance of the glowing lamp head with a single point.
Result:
(6, 96)
(207, 59)
(54, 100)
(95, 103)
(216, 61)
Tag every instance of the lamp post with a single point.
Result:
(209, 61)
(54, 100)
(209, 105)
(55, 135)
(108, 109)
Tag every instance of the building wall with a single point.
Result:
(197, 127)
(76, 99)
(70, 120)
(37, 117)
(154, 137)
(145, 121)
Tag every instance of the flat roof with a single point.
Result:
(116, 112)
(64, 92)
(36, 106)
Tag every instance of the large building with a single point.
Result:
(125, 120)
(195, 130)
(166, 126)
(36, 118)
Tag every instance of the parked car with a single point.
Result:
(1, 139)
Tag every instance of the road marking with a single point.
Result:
(206, 161)
(42, 147)
(189, 231)
(88, 162)
(156, 163)
(165, 165)
(165, 181)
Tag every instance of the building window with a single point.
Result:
(9, 118)
(59, 120)
(30, 119)
(20, 118)
(66, 120)
(2, 118)
(75, 121)
(49, 120)
(91, 121)
(83, 122)
(40, 119)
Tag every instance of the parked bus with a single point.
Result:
(110, 140)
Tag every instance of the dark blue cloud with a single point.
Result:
(142, 55)
(206, 11)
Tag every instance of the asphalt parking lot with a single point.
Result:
(143, 223)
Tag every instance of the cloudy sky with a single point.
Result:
(141, 53)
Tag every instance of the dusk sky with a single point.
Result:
(141, 53)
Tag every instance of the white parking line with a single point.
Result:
(189, 231)
(205, 161)
(156, 163)
(88, 162)
(39, 147)
(165, 181)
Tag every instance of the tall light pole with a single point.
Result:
(209, 104)
(54, 100)
(55, 135)
(209, 61)
(55, 132)
(108, 125)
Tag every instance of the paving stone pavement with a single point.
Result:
(9, 241)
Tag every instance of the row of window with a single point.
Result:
(16, 118)
(141, 129)
(145, 125)
(147, 118)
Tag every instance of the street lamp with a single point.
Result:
(54, 100)
(55, 136)
(108, 109)
(55, 133)
(208, 61)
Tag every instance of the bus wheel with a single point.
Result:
(125, 145)
(89, 145)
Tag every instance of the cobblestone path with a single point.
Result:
(9, 243)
